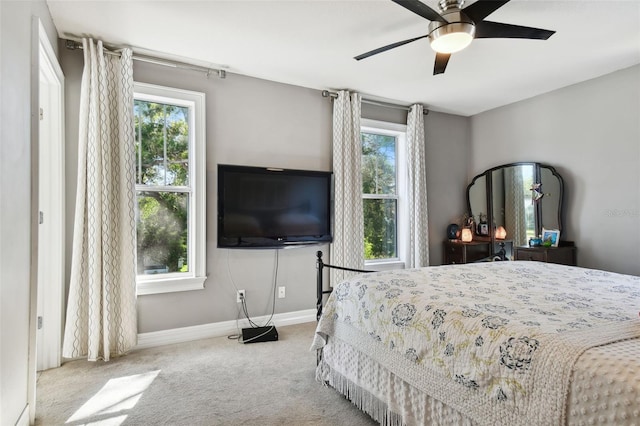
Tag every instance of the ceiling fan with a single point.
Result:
(454, 28)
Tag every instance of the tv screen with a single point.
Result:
(260, 207)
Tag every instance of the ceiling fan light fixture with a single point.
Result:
(454, 28)
(452, 37)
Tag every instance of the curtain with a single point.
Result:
(101, 309)
(418, 255)
(514, 214)
(347, 248)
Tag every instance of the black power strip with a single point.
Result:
(259, 334)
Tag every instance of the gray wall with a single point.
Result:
(257, 122)
(447, 152)
(591, 133)
(17, 91)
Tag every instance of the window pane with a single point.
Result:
(162, 143)
(380, 238)
(149, 122)
(177, 145)
(162, 232)
(529, 211)
(378, 164)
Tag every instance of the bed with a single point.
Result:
(494, 343)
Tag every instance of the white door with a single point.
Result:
(51, 204)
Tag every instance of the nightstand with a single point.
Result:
(564, 255)
(456, 251)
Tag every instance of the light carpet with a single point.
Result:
(214, 381)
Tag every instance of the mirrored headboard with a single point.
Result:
(521, 197)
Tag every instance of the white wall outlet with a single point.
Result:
(240, 296)
(281, 292)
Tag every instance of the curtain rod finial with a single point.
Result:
(71, 45)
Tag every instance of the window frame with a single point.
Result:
(195, 278)
(399, 131)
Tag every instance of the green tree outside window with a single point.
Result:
(380, 201)
(162, 170)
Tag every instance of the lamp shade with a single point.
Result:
(501, 233)
(452, 37)
(466, 235)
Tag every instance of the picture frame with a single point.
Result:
(552, 235)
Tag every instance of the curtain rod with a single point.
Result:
(328, 94)
(74, 45)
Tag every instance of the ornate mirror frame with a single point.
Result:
(537, 204)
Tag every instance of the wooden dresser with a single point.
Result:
(456, 251)
(565, 255)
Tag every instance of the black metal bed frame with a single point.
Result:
(320, 265)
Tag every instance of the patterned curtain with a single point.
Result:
(514, 214)
(347, 248)
(101, 309)
(418, 255)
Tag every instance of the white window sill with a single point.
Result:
(170, 285)
(384, 265)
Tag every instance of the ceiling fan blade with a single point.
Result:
(483, 8)
(388, 47)
(488, 29)
(442, 59)
(420, 9)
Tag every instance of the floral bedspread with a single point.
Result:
(486, 328)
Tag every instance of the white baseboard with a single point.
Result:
(218, 329)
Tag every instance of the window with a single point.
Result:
(383, 192)
(170, 189)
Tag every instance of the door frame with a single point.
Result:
(50, 297)
(51, 204)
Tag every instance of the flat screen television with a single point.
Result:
(261, 207)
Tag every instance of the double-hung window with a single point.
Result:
(170, 189)
(383, 192)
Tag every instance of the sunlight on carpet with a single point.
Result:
(109, 403)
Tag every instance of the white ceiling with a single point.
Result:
(312, 43)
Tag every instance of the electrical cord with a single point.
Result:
(238, 335)
(246, 314)
(275, 284)
(273, 300)
(245, 309)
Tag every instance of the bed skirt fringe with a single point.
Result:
(397, 404)
(364, 400)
